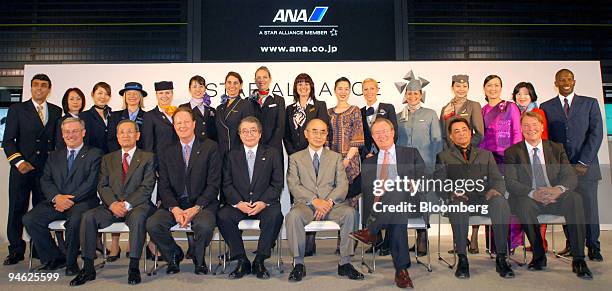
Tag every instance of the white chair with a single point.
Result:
(473, 220)
(55, 227)
(178, 229)
(253, 224)
(552, 220)
(321, 225)
(415, 224)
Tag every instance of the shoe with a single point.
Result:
(502, 267)
(174, 262)
(364, 236)
(200, 269)
(472, 250)
(189, 255)
(72, 270)
(259, 269)
(13, 259)
(421, 244)
(298, 272)
(82, 277)
(347, 270)
(581, 270)
(402, 279)
(57, 263)
(111, 259)
(383, 252)
(537, 264)
(134, 276)
(242, 268)
(463, 267)
(337, 252)
(595, 255)
(566, 252)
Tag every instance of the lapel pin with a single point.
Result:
(263, 159)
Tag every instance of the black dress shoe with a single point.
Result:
(111, 259)
(463, 268)
(595, 255)
(537, 264)
(259, 269)
(242, 268)
(347, 270)
(502, 267)
(298, 272)
(57, 263)
(134, 276)
(82, 277)
(12, 259)
(200, 269)
(72, 270)
(581, 270)
(174, 262)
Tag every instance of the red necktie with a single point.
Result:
(464, 152)
(384, 172)
(260, 100)
(125, 165)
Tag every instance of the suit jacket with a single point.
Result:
(158, 131)
(472, 111)
(228, 119)
(82, 179)
(409, 163)
(294, 137)
(115, 118)
(139, 181)
(97, 131)
(268, 174)
(304, 185)
(26, 137)
(581, 133)
(202, 178)
(384, 110)
(271, 114)
(59, 138)
(481, 165)
(205, 123)
(519, 174)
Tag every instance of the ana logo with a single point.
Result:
(299, 15)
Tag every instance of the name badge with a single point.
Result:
(272, 105)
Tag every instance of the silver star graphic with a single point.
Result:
(333, 32)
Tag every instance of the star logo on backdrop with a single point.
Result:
(333, 32)
(412, 83)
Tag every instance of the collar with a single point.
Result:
(44, 104)
(310, 102)
(130, 152)
(392, 154)
(254, 149)
(312, 152)
(375, 106)
(190, 144)
(77, 149)
(469, 147)
(530, 147)
(569, 97)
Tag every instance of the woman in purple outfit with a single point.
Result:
(502, 120)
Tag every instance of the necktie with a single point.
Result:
(384, 173)
(125, 166)
(186, 155)
(251, 163)
(71, 159)
(315, 163)
(464, 152)
(260, 100)
(41, 113)
(538, 171)
(566, 107)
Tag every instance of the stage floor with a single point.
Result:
(322, 273)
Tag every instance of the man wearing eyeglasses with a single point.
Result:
(317, 179)
(252, 185)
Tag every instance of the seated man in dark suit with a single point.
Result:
(189, 179)
(464, 162)
(69, 183)
(389, 163)
(541, 180)
(252, 183)
(127, 179)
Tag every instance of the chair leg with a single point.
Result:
(416, 252)
(440, 258)
(104, 254)
(30, 256)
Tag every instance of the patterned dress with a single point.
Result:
(347, 132)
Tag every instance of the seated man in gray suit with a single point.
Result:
(461, 163)
(127, 179)
(317, 180)
(69, 183)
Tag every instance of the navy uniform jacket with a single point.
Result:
(385, 110)
(25, 136)
(97, 131)
(228, 119)
(294, 139)
(118, 116)
(271, 114)
(158, 131)
(205, 123)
